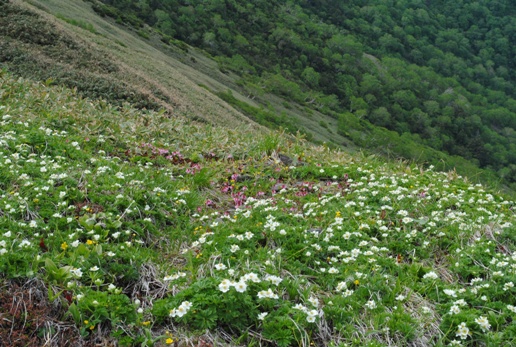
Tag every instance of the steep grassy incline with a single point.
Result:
(81, 50)
(126, 227)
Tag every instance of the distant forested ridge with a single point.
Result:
(442, 72)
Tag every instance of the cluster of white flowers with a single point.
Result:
(267, 294)
(311, 314)
(181, 310)
(463, 331)
(484, 323)
(274, 279)
(371, 304)
(431, 275)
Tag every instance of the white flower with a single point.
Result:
(431, 275)
(220, 266)
(76, 272)
(341, 286)
(450, 292)
(454, 309)
(269, 294)
(181, 310)
(224, 285)
(251, 277)
(347, 293)
(240, 286)
(94, 268)
(407, 220)
(186, 304)
(461, 302)
(300, 307)
(273, 279)
(311, 315)
(484, 323)
(371, 304)
(234, 248)
(401, 297)
(463, 331)
(262, 315)
(314, 301)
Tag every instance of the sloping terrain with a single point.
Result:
(148, 212)
(93, 60)
(120, 65)
(127, 227)
(438, 74)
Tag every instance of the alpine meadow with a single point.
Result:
(264, 173)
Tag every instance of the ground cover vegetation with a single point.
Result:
(128, 226)
(441, 71)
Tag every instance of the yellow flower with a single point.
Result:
(146, 323)
(90, 242)
(64, 246)
(169, 341)
(357, 282)
(36, 200)
(92, 327)
(86, 322)
(337, 214)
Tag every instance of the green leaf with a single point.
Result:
(75, 313)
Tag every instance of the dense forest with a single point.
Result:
(440, 72)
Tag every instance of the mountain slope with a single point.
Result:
(87, 60)
(152, 74)
(442, 72)
(132, 228)
(159, 215)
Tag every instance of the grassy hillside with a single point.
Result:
(128, 227)
(70, 45)
(81, 50)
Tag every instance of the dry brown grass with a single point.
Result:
(29, 319)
